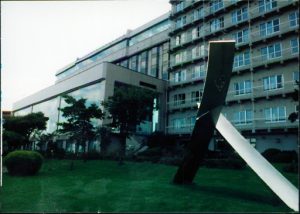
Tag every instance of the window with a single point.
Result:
(296, 76)
(179, 6)
(180, 76)
(198, 51)
(179, 99)
(178, 40)
(271, 51)
(294, 45)
(266, 5)
(275, 114)
(243, 117)
(239, 15)
(143, 62)
(241, 59)
(244, 87)
(178, 58)
(198, 71)
(178, 123)
(216, 24)
(241, 36)
(269, 27)
(216, 5)
(198, 13)
(133, 63)
(197, 32)
(195, 96)
(294, 19)
(192, 120)
(273, 82)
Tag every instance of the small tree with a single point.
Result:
(128, 107)
(18, 129)
(79, 120)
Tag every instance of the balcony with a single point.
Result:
(190, 78)
(259, 92)
(206, 31)
(183, 104)
(259, 61)
(189, 58)
(254, 125)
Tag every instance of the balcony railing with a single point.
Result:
(258, 91)
(255, 124)
(189, 78)
(252, 13)
(186, 103)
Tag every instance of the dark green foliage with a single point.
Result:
(79, 126)
(293, 116)
(159, 139)
(17, 130)
(128, 107)
(277, 156)
(23, 162)
(105, 138)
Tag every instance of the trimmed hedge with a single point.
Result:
(23, 162)
(225, 163)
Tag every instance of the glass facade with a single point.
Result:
(23, 112)
(150, 32)
(93, 94)
(50, 110)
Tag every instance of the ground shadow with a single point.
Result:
(228, 192)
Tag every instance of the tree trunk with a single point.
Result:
(122, 149)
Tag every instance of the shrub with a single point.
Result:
(23, 162)
(277, 156)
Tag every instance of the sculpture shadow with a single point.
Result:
(228, 192)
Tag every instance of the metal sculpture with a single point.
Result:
(221, 54)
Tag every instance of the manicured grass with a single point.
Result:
(136, 187)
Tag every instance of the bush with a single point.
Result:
(277, 156)
(23, 162)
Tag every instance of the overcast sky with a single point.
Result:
(39, 38)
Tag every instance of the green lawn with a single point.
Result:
(106, 186)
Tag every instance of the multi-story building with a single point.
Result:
(265, 70)
(170, 55)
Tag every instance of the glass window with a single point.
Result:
(243, 117)
(23, 112)
(241, 59)
(162, 26)
(180, 76)
(49, 108)
(294, 45)
(266, 5)
(93, 94)
(275, 114)
(294, 19)
(241, 36)
(271, 51)
(273, 82)
(244, 87)
(239, 15)
(198, 13)
(143, 62)
(269, 27)
(217, 24)
(198, 71)
(133, 63)
(216, 5)
(296, 76)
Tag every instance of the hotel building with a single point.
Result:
(169, 55)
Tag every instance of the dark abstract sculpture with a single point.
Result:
(221, 54)
(208, 118)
